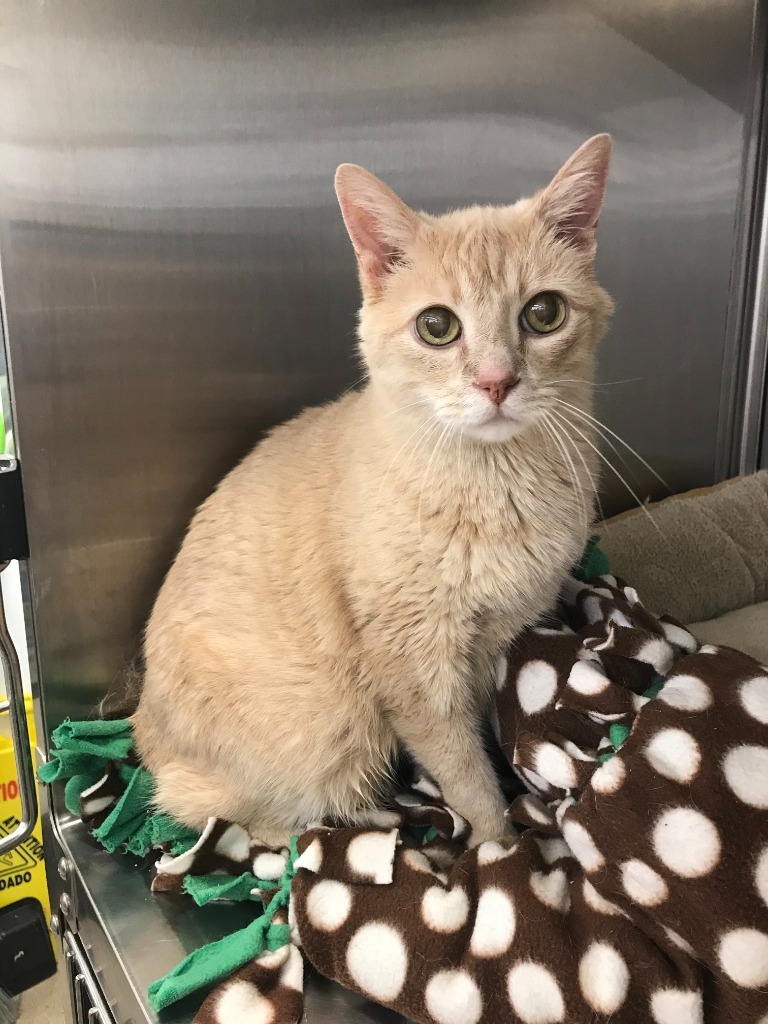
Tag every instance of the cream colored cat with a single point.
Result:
(350, 584)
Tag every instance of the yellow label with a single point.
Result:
(22, 871)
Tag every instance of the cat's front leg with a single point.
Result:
(447, 743)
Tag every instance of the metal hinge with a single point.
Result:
(14, 543)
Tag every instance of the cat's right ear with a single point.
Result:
(382, 228)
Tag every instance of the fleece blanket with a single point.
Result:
(632, 886)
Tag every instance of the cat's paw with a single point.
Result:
(497, 826)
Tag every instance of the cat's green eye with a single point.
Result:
(543, 313)
(438, 326)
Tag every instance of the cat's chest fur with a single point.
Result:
(511, 568)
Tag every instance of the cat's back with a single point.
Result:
(264, 527)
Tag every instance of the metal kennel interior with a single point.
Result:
(176, 279)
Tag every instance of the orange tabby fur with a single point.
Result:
(351, 583)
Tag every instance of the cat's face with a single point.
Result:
(478, 320)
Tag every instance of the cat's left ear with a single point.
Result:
(573, 199)
(382, 228)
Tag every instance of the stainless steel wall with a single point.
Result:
(177, 277)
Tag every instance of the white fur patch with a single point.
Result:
(372, 854)
(242, 1003)
(677, 1006)
(490, 851)
(235, 843)
(657, 653)
(555, 766)
(679, 637)
(328, 905)
(269, 866)
(603, 978)
(675, 754)
(754, 698)
(583, 846)
(445, 910)
(535, 994)
(686, 693)
(686, 842)
(452, 997)
(746, 772)
(495, 924)
(610, 776)
(553, 849)
(642, 884)
(594, 900)
(378, 961)
(536, 686)
(761, 875)
(312, 858)
(743, 955)
(180, 865)
(551, 889)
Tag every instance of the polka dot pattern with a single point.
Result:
(490, 851)
(686, 693)
(553, 764)
(583, 846)
(445, 910)
(642, 884)
(754, 698)
(536, 686)
(746, 772)
(595, 901)
(268, 866)
(610, 776)
(588, 678)
(241, 1001)
(675, 1006)
(761, 875)
(687, 842)
(370, 856)
(452, 997)
(495, 924)
(743, 956)
(535, 994)
(603, 978)
(377, 960)
(641, 756)
(328, 905)
(675, 754)
(551, 889)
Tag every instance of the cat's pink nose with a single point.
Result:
(497, 385)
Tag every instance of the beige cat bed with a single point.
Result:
(702, 557)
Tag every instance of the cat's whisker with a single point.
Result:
(402, 408)
(430, 422)
(436, 449)
(567, 437)
(424, 441)
(548, 424)
(595, 384)
(360, 380)
(602, 427)
(613, 469)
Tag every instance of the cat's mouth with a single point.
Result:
(498, 425)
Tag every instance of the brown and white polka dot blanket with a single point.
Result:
(633, 886)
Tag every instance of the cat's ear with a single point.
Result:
(381, 226)
(573, 199)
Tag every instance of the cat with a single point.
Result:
(349, 587)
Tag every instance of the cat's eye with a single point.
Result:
(543, 313)
(438, 326)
